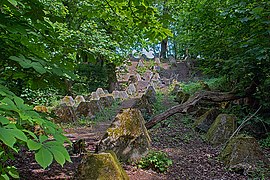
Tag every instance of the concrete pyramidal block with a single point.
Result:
(68, 101)
(100, 91)
(243, 154)
(103, 166)
(78, 100)
(222, 129)
(94, 96)
(127, 136)
(89, 108)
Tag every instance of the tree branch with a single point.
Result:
(191, 102)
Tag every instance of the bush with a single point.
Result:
(156, 160)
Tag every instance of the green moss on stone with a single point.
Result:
(127, 124)
(222, 129)
(101, 166)
(242, 152)
(127, 136)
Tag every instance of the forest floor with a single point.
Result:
(192, 157)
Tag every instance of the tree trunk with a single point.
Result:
(112, 79)
(191, 102)
(164, 48)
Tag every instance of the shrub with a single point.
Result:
(156, 160)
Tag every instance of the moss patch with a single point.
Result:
(222, 129)
(101, 166)
(127, 136)
(242, 153)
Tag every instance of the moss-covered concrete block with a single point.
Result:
(243, 153)
(150, 95)
(127, 136)
(204, 122)
(89, 108)
(222, 129)
(106, 100)
(103, 166)
(65, 113)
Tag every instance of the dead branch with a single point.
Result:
(191, 102)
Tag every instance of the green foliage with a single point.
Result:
(157, 161)
(16, 121)
(44, 97)
(265, 143)
(232, 39)
(190, 87)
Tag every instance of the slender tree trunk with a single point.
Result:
(164, 48)
(112, 79)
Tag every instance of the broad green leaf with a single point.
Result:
(4, 120)
(32, 145)
(19, 134)
(63, 150)
(13, 172)
(4, 177)
(8, 104)
(52, 144)
(25, 63)
(31, 134)
(44, 157)
(58, 156)
(59, 147)
(7, 137)
(38, 67)
(42, 138)
(60, 138)
(50, 130)
(20, 104)
(13, 2)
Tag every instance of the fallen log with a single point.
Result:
(191, 102)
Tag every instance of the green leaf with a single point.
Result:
(7, 104)
(30, 133)
(42, 138)
(13, 2)
(13, 172)
(2, 152)
(25, 63)
(20, 104)
(4, 120)
(44, 157)
(4, 176)
(58, 156)
(63, 150)
(32, 145)
(60, 138)
(19, 134)
(7, 137)
(38, 67)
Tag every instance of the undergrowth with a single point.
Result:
(157, 161)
